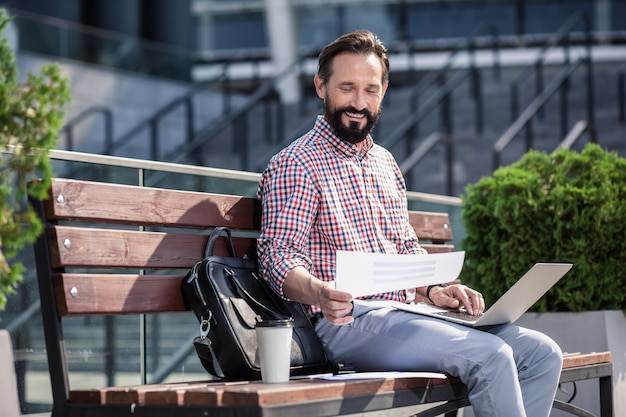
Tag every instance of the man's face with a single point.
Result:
(353, 95)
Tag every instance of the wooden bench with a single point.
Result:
(113, 249)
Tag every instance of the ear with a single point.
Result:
(320, 87)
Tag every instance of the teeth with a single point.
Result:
(355, 115)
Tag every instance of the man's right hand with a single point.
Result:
(303, 287)
(336, 305)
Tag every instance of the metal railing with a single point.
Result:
(559, 83)
(420, 153)
(561, 37)
(404, 130)
(438, 77)
(621, 93)
(238, 120)
(441, 99)
(152, 125)
(576, 133)
(100, 111)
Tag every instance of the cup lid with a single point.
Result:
(275, 323)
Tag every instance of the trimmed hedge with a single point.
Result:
(562, 207)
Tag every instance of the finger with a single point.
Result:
(474, 303)
(479, 303)
(462, 296)
(336, 306)
(445, 297)
(465, 300)
(329, 292)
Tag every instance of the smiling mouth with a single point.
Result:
(355, 115)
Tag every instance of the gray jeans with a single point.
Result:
(509, 371)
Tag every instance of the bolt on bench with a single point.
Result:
(111, 249)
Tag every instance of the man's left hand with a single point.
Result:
(458, 296)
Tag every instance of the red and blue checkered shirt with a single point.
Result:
(320, 195)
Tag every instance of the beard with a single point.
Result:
(352, 133)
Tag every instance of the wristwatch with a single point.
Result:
(430, 287)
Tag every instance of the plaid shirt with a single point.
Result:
(320, 195)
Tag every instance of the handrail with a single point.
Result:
(581, 127)
(106, 112)
(533, 108)
(418, 154)
(152, 122)
(408, 128)
(564, 32)
(621, 84)
(148, 165)
(295, 134)
(24, 318)
(181, 354)
(428, 107)
(468, 46)
(211, 131)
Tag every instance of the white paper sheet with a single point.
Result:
(363, 274)
(380, 375)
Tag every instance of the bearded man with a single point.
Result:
(335, 189)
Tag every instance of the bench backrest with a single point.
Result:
(119, 249)
(94, 226)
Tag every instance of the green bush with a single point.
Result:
(31, 114)
(562, 207)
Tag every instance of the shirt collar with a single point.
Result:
(342, 146)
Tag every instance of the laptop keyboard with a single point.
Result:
(462, 315)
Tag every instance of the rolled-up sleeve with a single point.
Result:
(289, 206)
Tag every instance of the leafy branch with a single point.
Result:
(31, 115)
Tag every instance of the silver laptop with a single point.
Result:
(510, 306)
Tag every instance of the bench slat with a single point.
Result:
(571, 361)
(94, 247)
(117, 203)
(434, 227)
(247, 393)
(117, 294)
(437, 248)
(159, 393)
(259, 394)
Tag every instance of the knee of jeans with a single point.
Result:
(550, 350)
(554, 356)
(495, 356)
(487, 363)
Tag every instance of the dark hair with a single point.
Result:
(357, 42)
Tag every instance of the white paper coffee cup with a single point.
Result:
(274, 349)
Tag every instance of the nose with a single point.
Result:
(358, 100)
